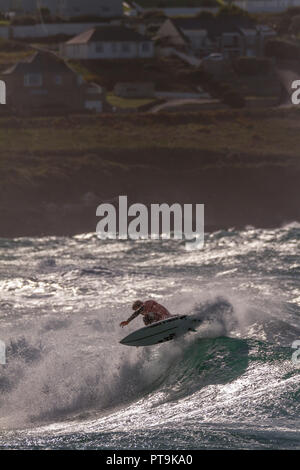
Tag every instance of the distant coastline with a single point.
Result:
(54, 172)
(235, 195)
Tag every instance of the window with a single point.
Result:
(33, 79)
(94, 106)
(94, 90)
(76, 50)
(58, 79)
(145, 47)
(126, 47)
(99, 47)
(235, 41)
(131, 90)
(114, 47)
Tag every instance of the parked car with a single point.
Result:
(215, 56)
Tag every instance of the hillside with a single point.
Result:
(178, 3)
(55, 171)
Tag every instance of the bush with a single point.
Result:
(293, 11)
(232, 10)
(222, 88)
(234, 99)
(284, 22)
(89, 19)
(12, 46)
(27, 20)
(295, 25)
(284, 25)
(219, 89)
(152, 30)
(153, 15)
(203, 15)
(52, 19)
(209, 3)
(251, 66)
(91, 78)
(282, 50)
(44, 11)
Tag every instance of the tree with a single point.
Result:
(203, 15)
(232, 10)
(44, 11)
(234, 99)
(209, 3)
(282, 50)
(295, 25)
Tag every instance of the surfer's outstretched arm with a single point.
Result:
(132, 317)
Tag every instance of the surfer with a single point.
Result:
(151, 311)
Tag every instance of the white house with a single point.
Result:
(233, 37)
(108, 42)
(65, 8)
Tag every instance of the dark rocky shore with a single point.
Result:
(237, 191)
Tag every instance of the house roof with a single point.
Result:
(109, 34)
(214, 26)
(41, 60)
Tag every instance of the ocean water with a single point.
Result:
(69, 384)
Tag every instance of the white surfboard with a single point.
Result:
(161, 331)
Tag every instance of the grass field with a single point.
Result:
(39, 147)
(12, 52)
(177, 3)
(240, 131)
(157, 70)
(10, 58)
(125, 103)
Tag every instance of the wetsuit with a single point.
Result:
(152, 312)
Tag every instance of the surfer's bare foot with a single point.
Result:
(124, 323)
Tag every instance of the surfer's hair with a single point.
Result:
(137, 304)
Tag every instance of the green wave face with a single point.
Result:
(217, 361)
